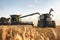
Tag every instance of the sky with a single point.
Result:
(24, 7)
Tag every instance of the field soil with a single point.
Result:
(27, 32)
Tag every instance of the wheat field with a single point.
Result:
(27, 32)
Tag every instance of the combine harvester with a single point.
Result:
(45, 20)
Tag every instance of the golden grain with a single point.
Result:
(27, 32)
